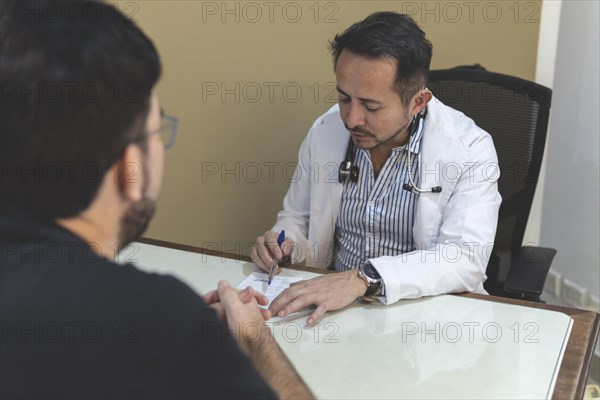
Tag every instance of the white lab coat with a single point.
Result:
(453, 230)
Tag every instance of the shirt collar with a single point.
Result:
(24, 227)
(415, 144)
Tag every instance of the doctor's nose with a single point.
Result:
(354, 117)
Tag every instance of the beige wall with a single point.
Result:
(230, 168)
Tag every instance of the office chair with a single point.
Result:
(515, 113)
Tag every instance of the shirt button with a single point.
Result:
(369, 235)
(371, 203)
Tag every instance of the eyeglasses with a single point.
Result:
(167, 131)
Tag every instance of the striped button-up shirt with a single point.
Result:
(376, 215)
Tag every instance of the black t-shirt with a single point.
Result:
(76, 325)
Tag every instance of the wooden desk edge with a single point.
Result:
(576, 362)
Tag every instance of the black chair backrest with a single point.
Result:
(515, 113)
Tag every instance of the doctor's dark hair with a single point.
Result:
(394, 36)
(76, 82)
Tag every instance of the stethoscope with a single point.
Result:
(349, 170)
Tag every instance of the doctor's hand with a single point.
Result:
(266, 249)
(328, 292)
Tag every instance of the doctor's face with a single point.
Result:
(370, 106)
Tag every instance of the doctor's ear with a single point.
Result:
(420, 100)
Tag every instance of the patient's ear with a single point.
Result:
(130, 174)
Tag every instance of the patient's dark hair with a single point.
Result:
(394, 36)
(76, 82)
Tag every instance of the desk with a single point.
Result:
(481, 347)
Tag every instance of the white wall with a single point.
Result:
(570, 218)
(544, 75)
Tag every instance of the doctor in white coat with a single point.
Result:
(421, 217)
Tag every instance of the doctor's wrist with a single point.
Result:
(372, 280)
(357, 285)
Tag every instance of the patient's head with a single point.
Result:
(78, 115)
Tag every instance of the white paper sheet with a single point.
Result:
(259, 282)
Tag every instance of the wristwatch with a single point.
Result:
(369, 274)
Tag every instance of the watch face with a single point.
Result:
(371, 272)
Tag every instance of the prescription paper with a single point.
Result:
(259, 282)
